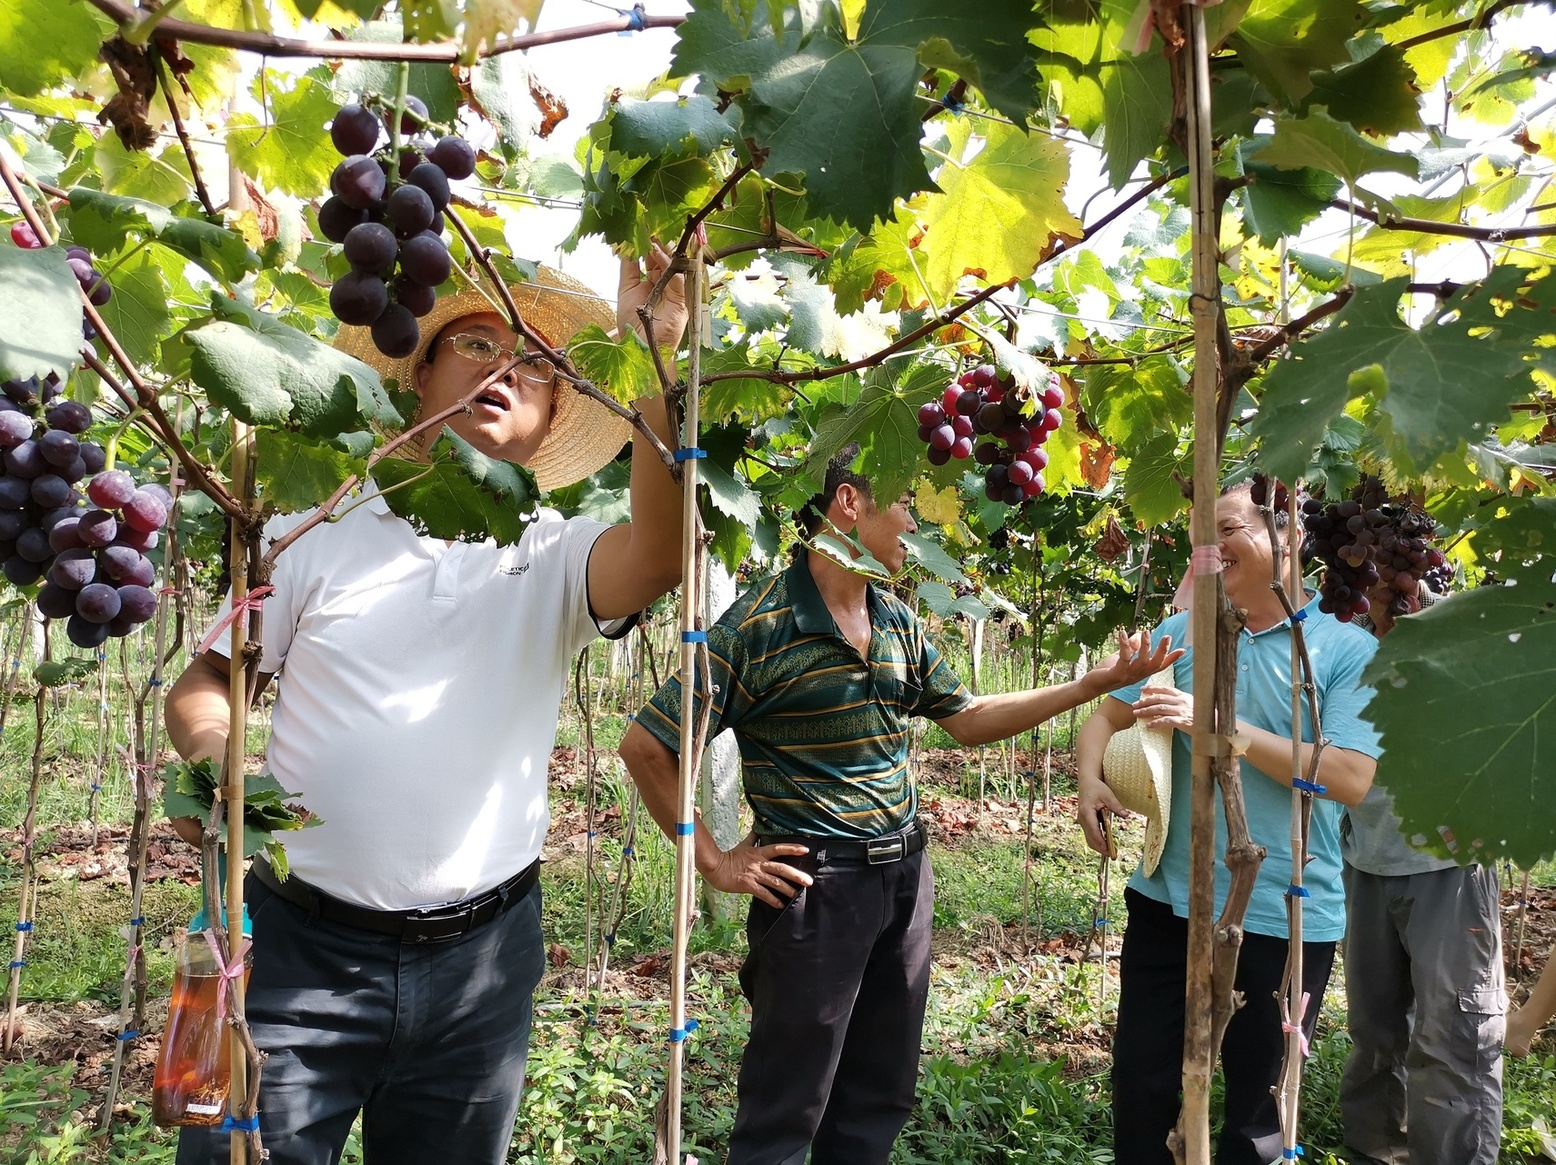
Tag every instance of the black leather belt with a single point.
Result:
(877, 851)
(427, 924)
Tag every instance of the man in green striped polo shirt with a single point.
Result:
(818, 673)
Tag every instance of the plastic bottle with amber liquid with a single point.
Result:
(194, 1067)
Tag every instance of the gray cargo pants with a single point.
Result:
(1423, 980)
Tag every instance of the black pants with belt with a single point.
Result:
(428, 1042)
(838, 980)
(1148, 1043)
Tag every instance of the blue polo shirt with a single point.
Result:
(1339, 653)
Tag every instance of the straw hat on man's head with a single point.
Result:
(583, 436)
(1137, 766)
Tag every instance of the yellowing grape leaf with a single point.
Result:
(288, 152)
(940, 506)
(999, 210)
(488, 21)
(1281, 42)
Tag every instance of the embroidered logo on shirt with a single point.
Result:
(513, 570)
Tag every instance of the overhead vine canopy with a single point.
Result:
(890, 192)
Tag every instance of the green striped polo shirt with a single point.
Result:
(823, 731)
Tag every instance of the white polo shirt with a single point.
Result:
(419, 692)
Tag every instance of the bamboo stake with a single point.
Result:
(232, 780)
(29, 894)
(691, 738)
(1198, 1055)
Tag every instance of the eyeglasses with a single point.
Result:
(485, 350)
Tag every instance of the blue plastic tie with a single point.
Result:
(154, 683)
(591, 833)
(1309, 786)
(626, 851)
(1297, 892)
(1291, 1154)
(124, 1037)
(17, 964)
(637, 19)
(678, 1034)
(631, 716)
(24, 926)
(101, 656)
(97, 788)
(694, 637)
(610, 939)
(240, 1124)
(685, 828)
(138, 921)
(1300, 616)
(690, 453)
(951, 105)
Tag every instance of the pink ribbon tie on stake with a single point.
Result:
(249, 602)
(1294, 1027)
(1206, 560)
(229, 973)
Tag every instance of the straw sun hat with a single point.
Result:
(1137, 766)
(584, 436)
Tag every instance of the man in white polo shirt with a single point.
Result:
(420, 688)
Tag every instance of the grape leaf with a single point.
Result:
(652, 128)
(138, 312)
(296, 473)
(1377, 95)
(459, 494)
(287, 152)
(1137, 109)
(625, 370)
(56, 673)
(100, 222)
(726, 53)
(429, 20)
(501, 89)
(999, 210)
(433, 82)
(1278, 203)
(160, 177)
(1281, 42)
(884, 420)
(730, 495)
(1436, 386)
(1463, 700)
(1317, 141)
(1129, 406)
(487, 21)
(45, 42)
(942, 601)
(268, 373)
(40, 313)
(1149, 486)
(926, 552)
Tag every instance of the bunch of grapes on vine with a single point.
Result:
(387, 213)
(1372, 546)
(981, 403)
(88, 549)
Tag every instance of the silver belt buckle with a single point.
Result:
(880, 851)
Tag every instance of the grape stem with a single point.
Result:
(447, 52)
(401, 90)
(154, 54)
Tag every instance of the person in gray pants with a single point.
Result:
(1424, 987)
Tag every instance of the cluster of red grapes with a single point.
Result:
(92, 282)
(387, 214)
(1259, 494)
(1373, 545)
(90, 551)
(979, 403)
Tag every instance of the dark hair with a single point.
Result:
(840, 471)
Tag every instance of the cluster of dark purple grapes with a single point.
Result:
(1371, 546)
(90, 551)
(387, 214)
(1259, 494)
(92, 282)
(980, 403)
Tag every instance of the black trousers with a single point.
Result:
(428, 1042)
(837, 980)
(1148, 1043)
